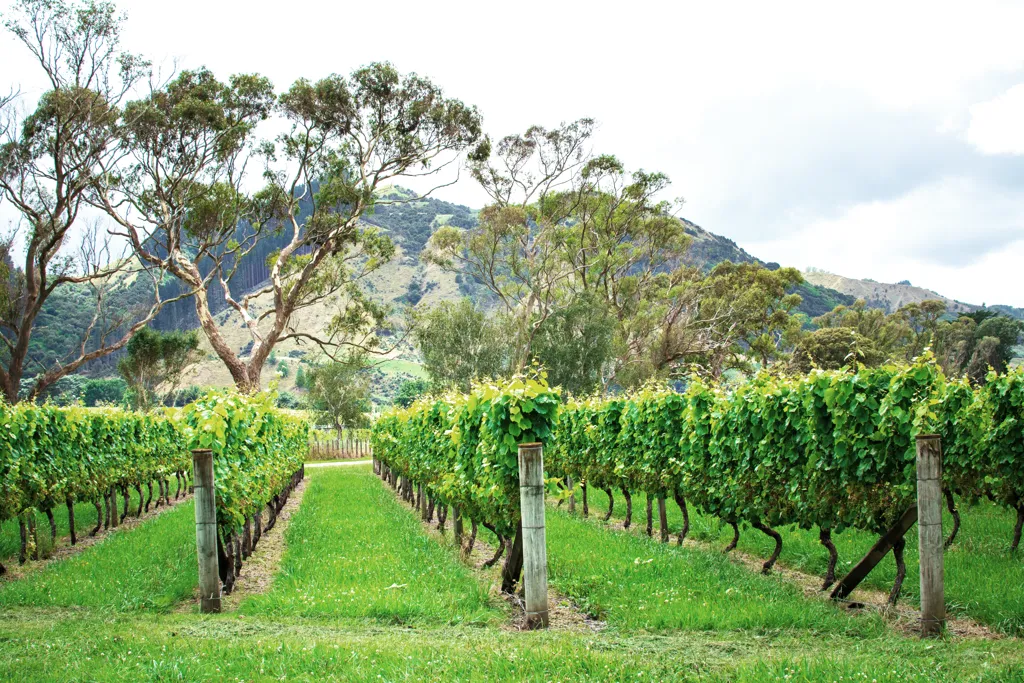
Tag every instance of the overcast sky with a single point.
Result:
(875, 140)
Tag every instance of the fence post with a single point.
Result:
(535, 553)
(930, 541)
(206, 530)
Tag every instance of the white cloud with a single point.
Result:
(997, 126)
(813, 133)
(938, 236)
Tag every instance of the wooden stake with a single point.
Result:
(874, 556)
(535, 554)
(930, 539)
(206, 530)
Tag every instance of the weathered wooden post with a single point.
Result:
(535, 553)
(930, 539)
(206, 530)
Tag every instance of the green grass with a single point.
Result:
(85, 520)
(52, 645)
(355, 552)
(636, 583)
(149, 567)
(983, 581)
(397, 365)
(330, 616)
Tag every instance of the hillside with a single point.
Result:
(889, 297)
(409, 221)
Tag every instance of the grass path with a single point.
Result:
(37, 645)
(983, 581)
(355, 552)
(151, 566)
(632, 582)
(85, 520)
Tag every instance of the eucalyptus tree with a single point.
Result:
(460, 342)
(157, 359)
(568, 231)
(179, 196)
(49, 158)
(514, 251)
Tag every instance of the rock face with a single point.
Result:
(889, 297)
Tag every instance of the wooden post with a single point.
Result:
(930, 540)
(535, 553)
(206, 530)
(874, 556)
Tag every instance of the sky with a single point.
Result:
(874, 139)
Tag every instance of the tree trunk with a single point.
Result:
(149, 498)
(951, 506)
(430, 509)
(586, 508)
(138, 490)
(662, 518)
(23, 530)
(513, 568)
(766, 568)
(106, 509)
(901, 571)
(735, 537)
(70, 503)
(629, 508)
(472, 537)
(99, 517)
(650, 515)
(257, 528)
(498, 553)
(1017, 528)
(127, 499)
(35, 535)
(442, 517)
(247, 539)
(115, 519)
(53, 525)
(611, 504)
(681, 502)
(237, 542)
(825, 536)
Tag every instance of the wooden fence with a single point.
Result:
(339, 448)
